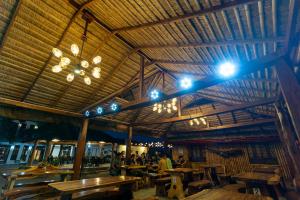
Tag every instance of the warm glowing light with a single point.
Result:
(75, 49)
(191, 122)
(186, 83)
(82, 72)
(70, 77)
(197, 121)
(84, 64)
(154, 108)
(159, 110)
(56, 52)
(56, 69)
(87, 80)
(64, 61)
(227, 69)
(174, 108)
(96, 72)
(97, 60)
(169, 110)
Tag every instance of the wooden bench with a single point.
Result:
(197, 186)
(22, 191)
(104, 193)
(239, 187)
(161, 186)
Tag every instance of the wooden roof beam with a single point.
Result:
(228, 126)
(214, 44)
(244, 68)
(210, 113)
(75, 15)
(179, 63)
(196, 14)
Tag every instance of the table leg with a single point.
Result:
(123, 172)
(66, 196)
(126, 191)
(176, 189)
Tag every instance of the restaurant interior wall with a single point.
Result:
(140, 149)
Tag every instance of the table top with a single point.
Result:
(210, 165)
(36, 172)
(133, 166)
(92, 183)
(221, 194)
(180, 170)
(271, 179)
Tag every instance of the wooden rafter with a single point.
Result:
(213, 44)
(75, 15)
(245, 68)
(179, 63)
(214, 9)
(10, 23)
(227, 126)
(210, 113)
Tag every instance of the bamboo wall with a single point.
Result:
(236, 164)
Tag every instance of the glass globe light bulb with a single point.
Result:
(169, 110)
(82, 72)
(84, 64)
(154, 108)
(87, 80)
(159, 105)
(96, 72)
(174, 107)
(97, 60)
(64, 61)
(75, 49)
(56, 52)
(169, 105)
(56, 68)
(159, 110)
(191, 122)
(70, 77)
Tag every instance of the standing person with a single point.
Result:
(116, 166)
(162, 164)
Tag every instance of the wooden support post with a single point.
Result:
(48, 150)
(288, 137)
(30, 161)
(113, 148)
(128, 145)
(179, 107)
(291, 92)
(80, 149)
(141, 79)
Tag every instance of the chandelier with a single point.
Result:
(78, 65)
(197, 121)
(166, 106)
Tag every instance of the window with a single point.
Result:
(261, 154)
(4, 150)
(198, 154)
(24, 154)
(15, 149)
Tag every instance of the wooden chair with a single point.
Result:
(197, 186)
(161, 186)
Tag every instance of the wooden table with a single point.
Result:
(34, 172)
(126, 168)
(124, 182)
(177, 179)
(221, 194)
(210, 172)
(260, 178)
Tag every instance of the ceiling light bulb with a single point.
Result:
(56, 52)
(169, 105)
(56, 68)
(87, 80)
(97, 60)
(154, 94)
(75, 49)
(159, 105)
(159, 110)
(191, 122)
(175, 108)
(82, 72)
(174, 99)
(227, 69)
(154, 108)
(169, 110)
(64, 61)
(96, 72)
(186, 83)
(70, 77)
(84, 64)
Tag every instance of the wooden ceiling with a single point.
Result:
(176, 38)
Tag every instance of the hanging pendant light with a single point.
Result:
(97, 60)
(56, 69)
(56, 52)
(70, 77)
(87, 80)
(75, 49)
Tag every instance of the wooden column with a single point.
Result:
(141, 79)
(288, 138)
(290, 89)
(30, 161)
(128, 145)
(179, 107)
(48, 150)
(113, 148)
(80, 149)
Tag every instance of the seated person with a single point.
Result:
(164, 163)
(181, 162)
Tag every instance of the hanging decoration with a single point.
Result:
(167, 106)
